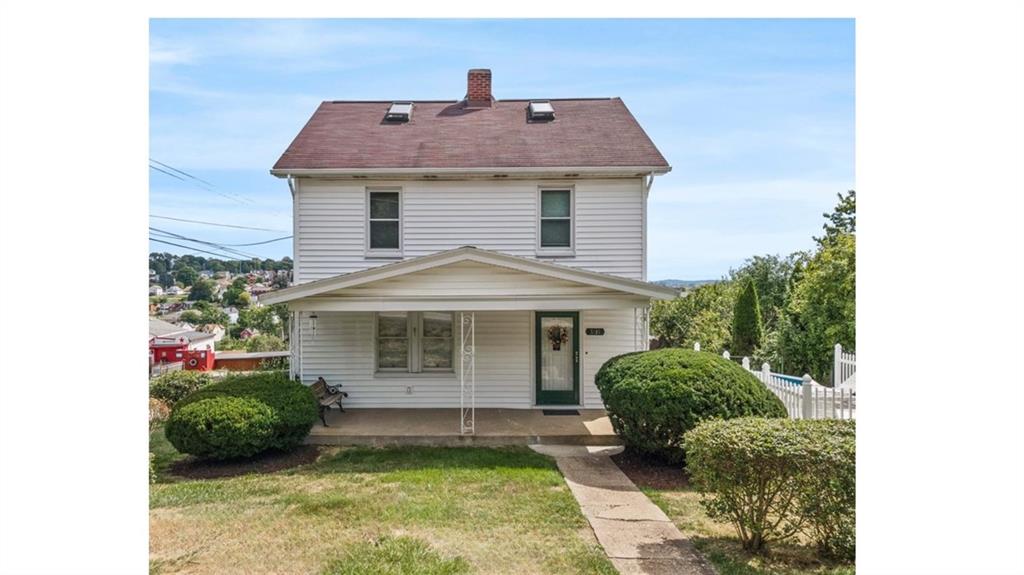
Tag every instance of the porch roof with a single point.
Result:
(471, 279)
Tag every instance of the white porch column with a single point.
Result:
(467, 373)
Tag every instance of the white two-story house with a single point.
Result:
(482, 252)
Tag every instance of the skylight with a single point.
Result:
(541, 110)
(399, 112)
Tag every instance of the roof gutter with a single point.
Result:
(545, 171)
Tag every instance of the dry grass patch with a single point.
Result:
(719, 544)
(460, 509)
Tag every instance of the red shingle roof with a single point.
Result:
(585, 133)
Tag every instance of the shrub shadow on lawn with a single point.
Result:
(420, 458)
(728, 555)
(651, 472)
(268, 462)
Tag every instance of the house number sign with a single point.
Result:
(595, 331)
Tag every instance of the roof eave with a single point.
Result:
(559, 171)
(318, 287)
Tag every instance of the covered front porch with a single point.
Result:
(379, 427)
(466, 342)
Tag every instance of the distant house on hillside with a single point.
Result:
(247, 333)
(232, 314)
(174, 290)
(217, 331)
(156, 291)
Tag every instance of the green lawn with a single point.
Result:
(718, 542)
(361, 510)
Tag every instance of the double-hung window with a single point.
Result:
(556, 225)
(415, 342)
(384, 222)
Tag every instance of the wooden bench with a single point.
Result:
(326, 396)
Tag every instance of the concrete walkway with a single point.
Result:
(636, 534)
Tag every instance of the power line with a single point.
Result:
(203, 184)
(211, 244)
(216, 224)
(259, 243)
(241, 245)
(168, 173)
(190, 248)
(182, 172)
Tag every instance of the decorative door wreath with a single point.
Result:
(557, 335)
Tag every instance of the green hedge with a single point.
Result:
(222, 427)
(774, 478)
(654, 397)
(292, 407)
(173, 386)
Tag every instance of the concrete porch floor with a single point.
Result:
(441, 427)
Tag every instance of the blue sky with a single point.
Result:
(756, 117)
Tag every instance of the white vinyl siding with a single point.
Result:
(342, 351)
(331, 222)
(618, 339)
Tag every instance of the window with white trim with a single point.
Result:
(384, 221)
(415, 342)
(556, 220)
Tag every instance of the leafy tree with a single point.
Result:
(166, 279)
(771, 274)
(747, 329)
(240, 282)
(265, 342)
(263, 319)
(186, 275)
(843, 220)
(822, 309)
(237, 297)
(203, 290)
(191, 316)
(243, 300)
(280, 282)
(703, 314)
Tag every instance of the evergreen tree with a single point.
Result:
(747, 328)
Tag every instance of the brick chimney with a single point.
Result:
(478, 88)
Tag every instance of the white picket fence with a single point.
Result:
(805, 398)
(844, 369)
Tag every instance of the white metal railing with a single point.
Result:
(467, 373)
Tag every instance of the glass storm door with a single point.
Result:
(558, 358)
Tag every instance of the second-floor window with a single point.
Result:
(384, 221)
(556, 220)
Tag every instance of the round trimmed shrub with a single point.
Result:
(654, 397)
(222, 427)
(173, 386)
(292, 406)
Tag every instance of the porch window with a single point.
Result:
(415, 342)
(556, 220)
(393, 341)
(438, 341)
(384, 221)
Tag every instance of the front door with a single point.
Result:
(558, 358)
